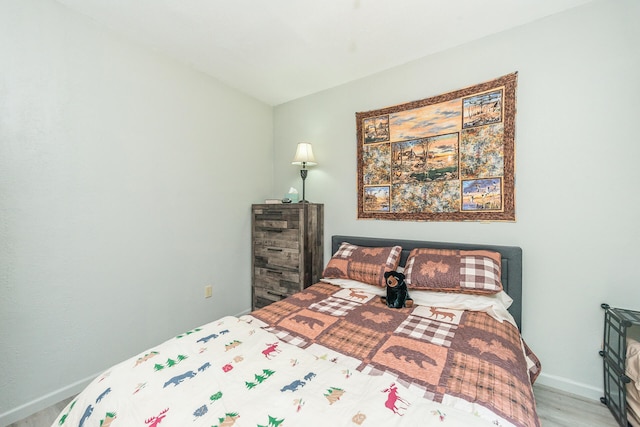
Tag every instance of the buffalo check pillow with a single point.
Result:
(471, 272)
(364, 264)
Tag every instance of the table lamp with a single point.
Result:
(304, 157)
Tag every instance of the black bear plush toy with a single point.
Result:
(397, 293)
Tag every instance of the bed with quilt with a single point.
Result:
(336, 354)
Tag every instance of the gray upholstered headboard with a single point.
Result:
(511, 261)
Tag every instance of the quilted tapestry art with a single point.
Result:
(445, 158)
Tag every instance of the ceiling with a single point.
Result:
(280, 50)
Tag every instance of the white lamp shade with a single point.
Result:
(304, 155)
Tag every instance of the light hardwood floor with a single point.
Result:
(44, 418)
(560, 409)
(555, 408)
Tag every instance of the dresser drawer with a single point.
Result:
(276, 219)
(277, 238)
(277, 282)
(274, 257)
(263, 299)
(277, 279)
(271, 285)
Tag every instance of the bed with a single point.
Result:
(335, 354)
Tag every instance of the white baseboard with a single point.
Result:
(569, 386)
(30, 408)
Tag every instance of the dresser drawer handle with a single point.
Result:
(274, 230)
(274, 249)
(277, 294)
(274, 272)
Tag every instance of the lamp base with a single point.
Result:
(303, 175)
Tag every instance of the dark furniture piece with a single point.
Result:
(511, 261)
(617, 321)
(287, 249)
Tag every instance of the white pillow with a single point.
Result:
(495, 305)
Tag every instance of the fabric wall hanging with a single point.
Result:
(445, 158)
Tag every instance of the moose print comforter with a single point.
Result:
(233, 373)
(462, 358)
(324, 357)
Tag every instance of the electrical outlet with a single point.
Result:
(208, 291)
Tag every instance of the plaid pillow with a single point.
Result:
(470, 272)
(363, 264)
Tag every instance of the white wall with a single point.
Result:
(577, 152)
(121, 196)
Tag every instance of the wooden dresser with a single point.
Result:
(287, 249)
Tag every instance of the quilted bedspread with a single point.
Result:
(324, 357)
(232, 372)
(464, 359)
